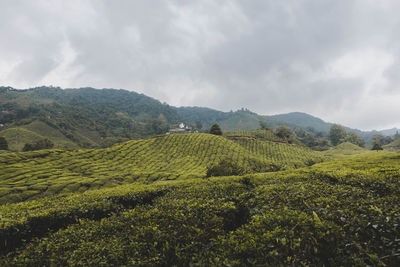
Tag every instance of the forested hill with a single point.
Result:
(242, 119)
(84, 117)
(304, 120)
(88, 117)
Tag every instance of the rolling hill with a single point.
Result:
(30, 175)
(84, 117)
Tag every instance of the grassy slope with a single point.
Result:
(345, 150)
(36, 174)
(82, 117)
(343, 212)
(17, 137)
(393, 146)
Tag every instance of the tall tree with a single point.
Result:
(355, 138)
(337, 134)
(380, 139)
(215, 129)
(377, 147)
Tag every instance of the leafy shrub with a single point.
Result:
(225, 167)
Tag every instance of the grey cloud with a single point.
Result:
(269, 56)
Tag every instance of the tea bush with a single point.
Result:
(35, 174)
(339, 213)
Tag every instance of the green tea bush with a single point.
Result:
(339, 213)
(225, 168)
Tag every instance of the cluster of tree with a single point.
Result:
(338, 134)
(215, 129)
(378, 141)
(310, 138)
(3, 143)
(381, 140)
(315, 141)
(41, 144)
(157, 125)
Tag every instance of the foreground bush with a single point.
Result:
(343, 213)
(225, 168)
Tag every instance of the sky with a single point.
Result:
(335, 59)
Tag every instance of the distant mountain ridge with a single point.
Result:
(88, 117)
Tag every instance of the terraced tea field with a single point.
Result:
(36, 174)
(344, 212)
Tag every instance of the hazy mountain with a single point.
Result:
(304, 120)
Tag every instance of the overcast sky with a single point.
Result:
(336, 59)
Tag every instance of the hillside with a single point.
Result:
(88, 117)
(229, 121)
(344, 150)
(30, 175)
(304, 120)
(394, 146)
(84, 117)
(339, 213)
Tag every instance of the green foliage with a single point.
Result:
(337, 134)
(41, 144)
(311, 141)
(283, 132)
(224, 168)
(264, 126)
(377, 147)
(32, 175)
(3, 143)
(344, 150)
(355, 138)
(215, 129)
(82, 117)
(17, 137)
(381, 140)
(394, 146)
(338, 213)
(342, 212)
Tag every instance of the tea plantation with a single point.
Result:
(32, 175)
(150, 204)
